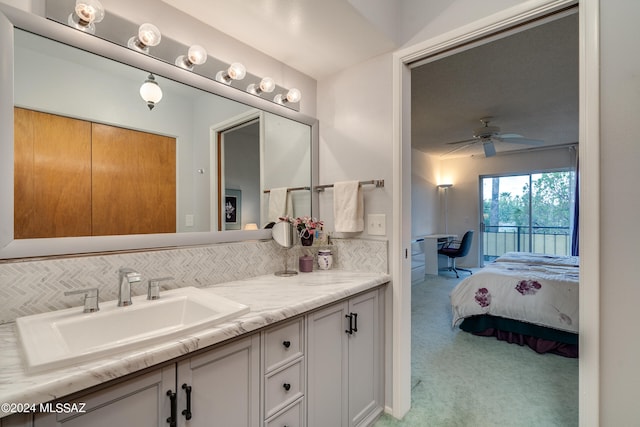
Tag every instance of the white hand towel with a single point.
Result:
(279, 204)
(348, 206)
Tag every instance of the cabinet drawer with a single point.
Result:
(290, 417)
(283, 387)
(283, 344)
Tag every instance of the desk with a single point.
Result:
(432, 261)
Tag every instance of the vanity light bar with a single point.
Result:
(148, 35)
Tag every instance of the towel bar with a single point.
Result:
(292, 189)
(379, 183)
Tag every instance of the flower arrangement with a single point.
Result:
(305, 225)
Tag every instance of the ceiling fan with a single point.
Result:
(487, 134)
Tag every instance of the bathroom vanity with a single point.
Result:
(308, 353)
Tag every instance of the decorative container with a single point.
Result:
(305, 264)
(306, 237)
(325, 259)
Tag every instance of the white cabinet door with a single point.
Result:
(225, 386)
(327, 367)
(140, 402)
(345, 347)
(365, 355)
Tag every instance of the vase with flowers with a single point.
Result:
(306, 227)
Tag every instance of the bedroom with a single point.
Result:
(531, 92)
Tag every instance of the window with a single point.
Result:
(527, 213)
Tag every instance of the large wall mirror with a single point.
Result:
(227, 148)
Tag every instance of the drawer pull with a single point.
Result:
(173, 419)
(286, 386)
(187, 412)
(350, 317)
(286, 344)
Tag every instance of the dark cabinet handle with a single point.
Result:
(172, 420)
(286, 386)
(286, 344)
(187, 412)
(353, 323)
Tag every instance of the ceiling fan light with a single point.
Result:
(489, 148)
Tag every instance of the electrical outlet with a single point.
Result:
(188, 220)
(376, 224)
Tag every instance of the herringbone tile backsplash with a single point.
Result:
(31, 287)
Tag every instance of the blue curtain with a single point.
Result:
(576, 212)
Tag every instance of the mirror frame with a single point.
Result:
(11, 18)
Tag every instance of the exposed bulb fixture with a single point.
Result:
(150, 92)
(196, 55)
(293, 95)
(86, 14)
(148, 35)
(236, 71)
(266, 85)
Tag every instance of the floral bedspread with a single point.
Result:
(545, 295)
(536, 258)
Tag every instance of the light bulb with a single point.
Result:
(266, 85)
(87, 14)
(294, 95)
(148, 35)
(236, 71)
(150, 92)
(197, 55)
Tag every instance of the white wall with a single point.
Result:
(620, 204)
(355, 114)
(426, 208)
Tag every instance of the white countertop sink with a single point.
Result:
(64, 337)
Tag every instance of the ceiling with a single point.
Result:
(316, 37)
(527, 82)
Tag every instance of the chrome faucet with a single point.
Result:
(153, 290)
(90, 299)
(127, 276)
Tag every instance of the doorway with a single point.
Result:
(589, 178)
(236, 148)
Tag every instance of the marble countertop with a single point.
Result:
(269, 297)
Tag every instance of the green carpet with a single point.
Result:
(459, 379)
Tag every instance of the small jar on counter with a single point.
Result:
(305, 264)
(325, 259)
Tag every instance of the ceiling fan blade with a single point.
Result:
(462, 147)
(463, 141)
(520, 140)
(489, 149)
(510, 135)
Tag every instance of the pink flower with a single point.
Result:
(483, 297)
(528, 287)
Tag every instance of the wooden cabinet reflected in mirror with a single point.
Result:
(77, 178)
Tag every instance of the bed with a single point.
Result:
(524, 298)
